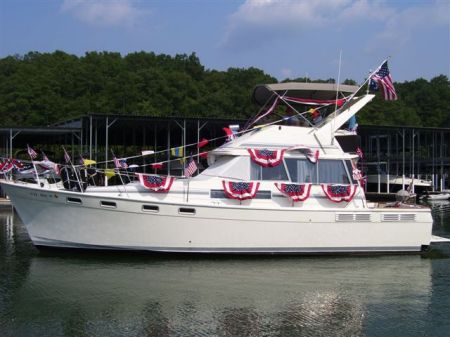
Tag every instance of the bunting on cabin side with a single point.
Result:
(339, 193)
(156, 183)
(296, 192)
(267, 158)
(240, 190)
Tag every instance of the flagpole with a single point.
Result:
(74, 170)
(360, 87)
(187, 196)
(118, 172)
(337, 94)
(34, 166)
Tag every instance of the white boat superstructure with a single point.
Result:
(273, 189)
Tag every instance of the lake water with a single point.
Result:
(66, 293)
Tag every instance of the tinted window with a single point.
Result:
(302, 170)
(267, 173)
(332, 172)
(324, 171)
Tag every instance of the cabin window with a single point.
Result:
(71, 200)
(150, 208)
(108, 204)
(332, 172)
(325, 171)
(185, 210)
(348, 163)
(302, 170)
(258, 172)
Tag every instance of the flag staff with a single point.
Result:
(33, 155)
(69, 161)
(117, 165)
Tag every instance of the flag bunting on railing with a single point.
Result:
(240, 190)
(156, 183)
(157, 166)
(6, 166)
(267, 158)
(202, 143)
(339, 193)
(296, 192)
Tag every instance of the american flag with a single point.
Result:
(359, 152)
(31, 152)
(190, 168)
(120, 163)
(382, 78)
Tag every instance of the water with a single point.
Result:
(61, 293)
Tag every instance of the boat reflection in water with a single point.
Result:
(91, 294)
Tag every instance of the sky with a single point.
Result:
(320, 39)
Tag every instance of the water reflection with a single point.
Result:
(90, 294)
(246, 297)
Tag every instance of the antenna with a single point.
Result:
(337, 92)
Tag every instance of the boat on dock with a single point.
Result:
(432, 196)
(269, 189)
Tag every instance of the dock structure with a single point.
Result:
(419, 152)
(412, 152)
(94, 136)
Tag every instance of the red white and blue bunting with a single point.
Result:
(296, 192)
(339, 193)
(6, 166)
(312, 156)
(156, 183)
(267, 158)
(240, 190)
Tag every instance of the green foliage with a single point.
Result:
(44, 88)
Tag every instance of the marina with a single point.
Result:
(246, 168)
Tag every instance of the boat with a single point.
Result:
(431, 196)
(393, 183)
(270, 188)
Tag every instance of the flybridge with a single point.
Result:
(332, 106)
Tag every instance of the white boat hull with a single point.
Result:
(188, 227)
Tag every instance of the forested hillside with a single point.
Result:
(44, 88)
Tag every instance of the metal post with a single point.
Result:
(403, 174)
(106, 142)
(90, 137)
(412, 159)
(10, 143)
(168, 148)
